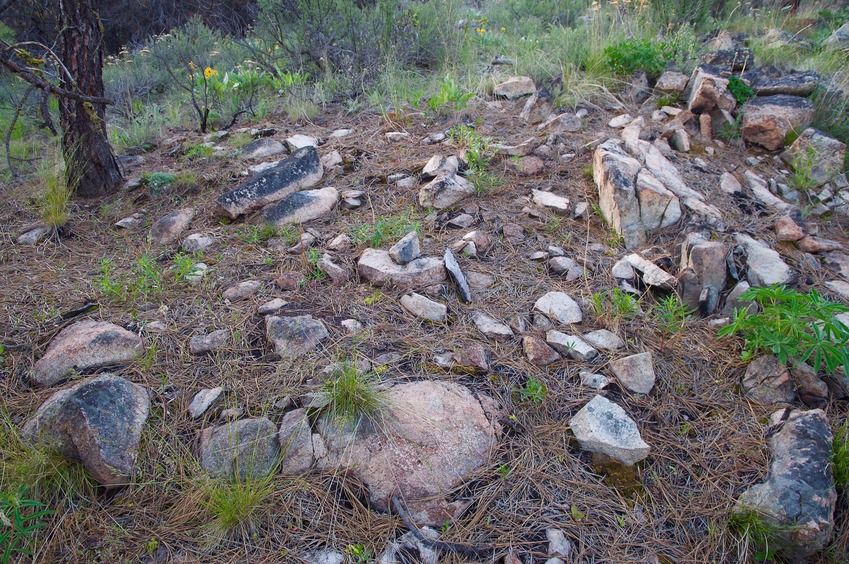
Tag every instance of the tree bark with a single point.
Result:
(90, 165)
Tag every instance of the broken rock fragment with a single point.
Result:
(604, 427)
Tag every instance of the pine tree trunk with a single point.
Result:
(91, 168)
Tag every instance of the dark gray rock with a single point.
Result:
(85, 345)
(798, 496)
(168, 229)
(407, 249)
(242, 449)
(735, 59)
(301, 170)
(769, 81)
(301, 207)
(294, 336)
(98, 422)
(456, 274)
(707, 261)
(768, 381)
(768, 120)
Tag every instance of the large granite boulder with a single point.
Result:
(98, 422)
(424, 443)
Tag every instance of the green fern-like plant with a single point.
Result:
(20, 517)
(792, 326)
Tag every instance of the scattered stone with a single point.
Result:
(764, 265)
(340, 133)
(620, 121)
(241, 291)
(263, 148)
(336, 273)
(769, 81)
(98, 422)
(538, 107)
(271, 306)
(296, 444)
(558, 544)
(301, 170)
(759, 188)
(407, 249)
(808, 244)
(812, 391)
(817, 156)
(301, 207)
(733, 301)
(538, 352)
(479, 280)
(560, 307)
(798, 496)
(635, 372)
(707, 261)
(570, 346)
(197, 243)
(196, 274)
(594, 381)
(515, 87)
(604, 340)
(168, 229)
(604, 427)
(83, 346)
(299, 141)
(768, 381)
(352, 326)
(622, 270)
(34, 236)
(680, 140)
(671, 82)
(513, 233)
(521, 150)
(294, 336)
(562, 123)
(457, 276)
(729, 184)
(378, 268)
(556, 203)
(440, 164)
(130, 222)
(203, 400)
(839, 287)
(767, 121)
(340, 243)
(397, 136)
(424, 308)
(838, 262)
(444, 191)
(567, 267)
(201, 344)
(245, 449)
(652, 274)
(331, 160)
(491, 327)
(709, 90)
(735, 59)
(786, 229)
(439, 433)
(838, 38)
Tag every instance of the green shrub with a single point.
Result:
(792, 326)
(479, 153)
(631, 55)
(741, 91)
(615, 305)
(450, 96)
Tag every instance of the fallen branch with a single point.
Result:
(474, 551)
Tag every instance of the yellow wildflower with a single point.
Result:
(209, 72)
(192, 66)
(503, 28)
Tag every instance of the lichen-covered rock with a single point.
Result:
(98, 422)
(798, 496)
(245, 449)
(293, 337)
(301, 170)
(768, 120)
(301, 207)
(85, 345)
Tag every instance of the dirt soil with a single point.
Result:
(708, 441)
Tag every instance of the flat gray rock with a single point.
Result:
(263, 148)
(635, 372)
(557, 204)
(559, 307)
(301, 170)
(764, 265)
(424, 308)
(457, 276)
(491, 327)
(407, 249)
(378, 268)
(301, 207)
(203, 400)
(243, 449)
(168, 229)
(294, 336)
(201, 344)
(98, 422)
(604, 340)
(83, 346)
(34, 236)
(197, 242)
(570, 346)
(604, 427)
(444, 191)
(296, 443)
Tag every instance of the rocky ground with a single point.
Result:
(641, 449)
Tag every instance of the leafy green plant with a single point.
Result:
(20, 518)
(198, 151)
(479, 153)
(314, 272)
(730, 131)
(185, 266)
(801, 176)
(741, 91)
(143, 281)
(756, 531)
(157, 181)
(615, 304)
(534, 390)
(450, 96)
(349, 395)
(385, 228)
(630, 55)
(792, 326)
(670, 313)
(258, 234)
(359, 554)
